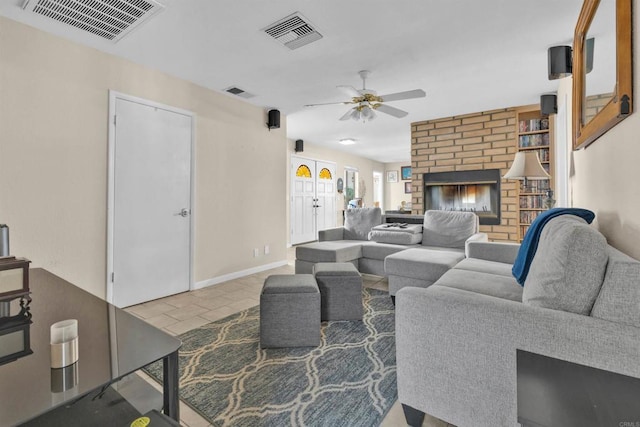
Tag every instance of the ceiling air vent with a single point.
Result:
(239, 92)
(109, 19)
(294, 31)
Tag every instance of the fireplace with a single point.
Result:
(468, 191)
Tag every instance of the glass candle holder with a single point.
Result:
(64, 343)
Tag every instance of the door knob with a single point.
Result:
(184, 212)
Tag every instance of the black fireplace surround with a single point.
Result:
(475, 191)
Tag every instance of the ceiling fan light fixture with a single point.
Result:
(363, 112)
(367, 101)
(368, 114)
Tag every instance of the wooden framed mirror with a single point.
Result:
(602, 78)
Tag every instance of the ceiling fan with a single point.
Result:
(366, 101)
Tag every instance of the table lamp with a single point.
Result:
(526, 165)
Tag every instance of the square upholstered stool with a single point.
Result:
(418, 267)
(290, 311)
(340, 286)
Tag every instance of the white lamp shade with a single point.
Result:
(526, 165)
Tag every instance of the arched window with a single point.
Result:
(303, 171)
(325, 174)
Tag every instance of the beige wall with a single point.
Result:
(53, 160)
(394, 191)
(365, 167)
(605, 175)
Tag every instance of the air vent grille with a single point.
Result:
(294, 31)
(109, 19)
(239, 92)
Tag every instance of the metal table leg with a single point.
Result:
(171, 390)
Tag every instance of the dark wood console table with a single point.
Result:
(112, 345)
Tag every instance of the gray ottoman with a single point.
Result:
(328, 251)
(340, 287)
(290, 311)
(419, 267)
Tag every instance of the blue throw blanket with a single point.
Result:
(530, 242)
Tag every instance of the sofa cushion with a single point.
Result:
(330, 251)
(423, 264)
(359, 222)
(483, 266)
(380, 251)
(494, 285)
(395, 237)
(448, 229)
(441, 249)
(529, 245)
(619, 298)
(568, 268)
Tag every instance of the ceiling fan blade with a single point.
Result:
(395, 112)
(349, 91)
(416, 93)
(347, 115)
(329, 103)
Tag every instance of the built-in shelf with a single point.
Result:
(534, 133)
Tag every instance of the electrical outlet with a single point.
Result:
(256, 252)
(266, 249)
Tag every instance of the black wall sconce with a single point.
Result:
(273, 119)
(560, 65)
(548, 104)
(561, 60)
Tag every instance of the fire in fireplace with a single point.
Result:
(470, 191)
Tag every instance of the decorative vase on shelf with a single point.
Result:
(549, 201)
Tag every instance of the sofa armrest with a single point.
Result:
(456, 350)
(477, 237)
(331, 234)
(493, 251)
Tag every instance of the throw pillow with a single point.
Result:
(448, 229)
(568, 268)
(358, 222)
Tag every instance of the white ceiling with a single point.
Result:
(467, 55)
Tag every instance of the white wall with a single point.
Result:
(605, 175)
(53, 160)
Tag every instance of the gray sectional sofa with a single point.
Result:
(410, 255)
(456, 340)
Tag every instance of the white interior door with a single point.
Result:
(303, 194)
(325, 195)
(313, 198)
(151, 179)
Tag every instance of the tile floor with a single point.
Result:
(180, 313)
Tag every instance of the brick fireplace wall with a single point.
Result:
(477, 141)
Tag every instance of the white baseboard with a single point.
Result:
(238, 274)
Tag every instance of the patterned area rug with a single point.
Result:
(349, 380)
